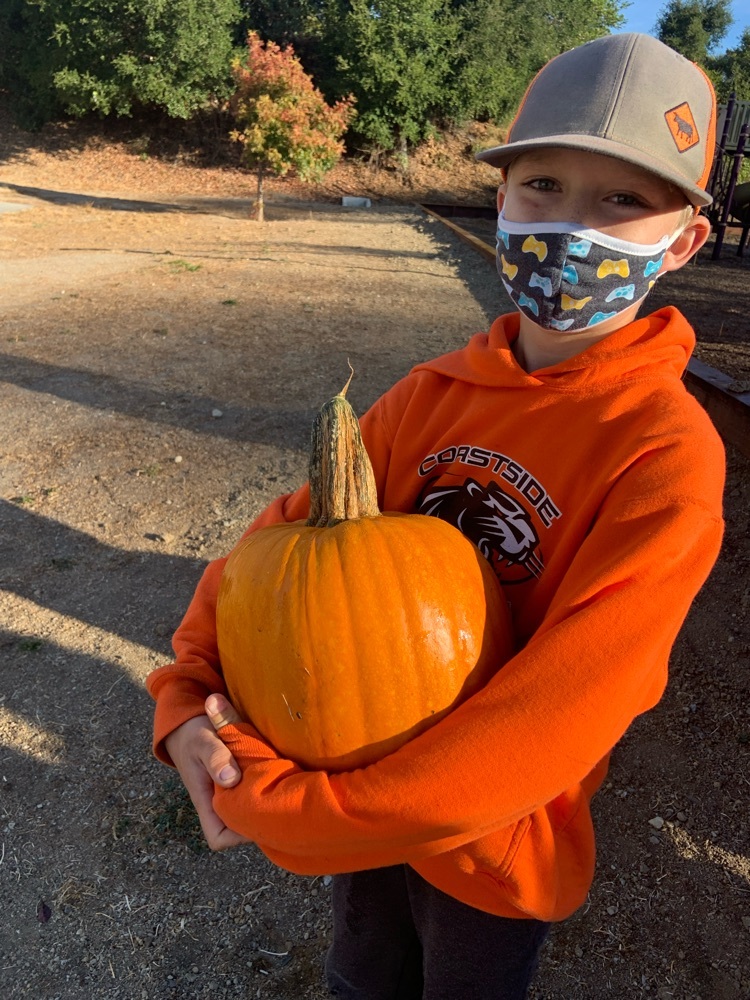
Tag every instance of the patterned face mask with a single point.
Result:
(567, 278)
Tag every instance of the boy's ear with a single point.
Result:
(687, 244)
(500, 197)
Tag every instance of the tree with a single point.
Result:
(28, 61)
(284, 22)
(563, 24)
(731, 70)
(285, 121)
(394, 56)
(417, 64)
(694, 27)
(504, 42)
(111, 56)
(289, 22)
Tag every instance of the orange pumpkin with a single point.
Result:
(343, 637)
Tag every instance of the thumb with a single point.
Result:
(221, 712)
(219, 761)
(222, 767)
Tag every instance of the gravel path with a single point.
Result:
(159, 375)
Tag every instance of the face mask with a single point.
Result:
(567, 278)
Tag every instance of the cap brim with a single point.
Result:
(501, 156)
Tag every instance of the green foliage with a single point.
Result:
(416, 64)
(731, 71)
(411, 65)
(176, 266)
(286, 23)
(503, 43)
(30, 645)
(111, 56)
(694, 27)
(28, 61)
(395, 57)
(557, 25)
(284, 121)
(289, 22)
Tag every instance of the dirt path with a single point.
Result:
(159, 371)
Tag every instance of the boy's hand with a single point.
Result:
(203, 760)
(221, 712)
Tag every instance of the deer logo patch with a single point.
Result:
(682, 126)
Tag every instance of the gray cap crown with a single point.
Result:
(625, 95)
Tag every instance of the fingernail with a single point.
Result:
(227, 773)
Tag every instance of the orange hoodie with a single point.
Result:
(594, 487)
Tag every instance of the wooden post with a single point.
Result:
(726, 208)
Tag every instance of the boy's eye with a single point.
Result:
(626, 199)
(541, 184)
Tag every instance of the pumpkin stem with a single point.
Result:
(349, 380)
(342, 483)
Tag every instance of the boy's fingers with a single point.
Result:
(227, 838)
(203, 762)
(221, 712)
(218, 836)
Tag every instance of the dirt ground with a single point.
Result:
(161, 360)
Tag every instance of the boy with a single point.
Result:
(565, 445)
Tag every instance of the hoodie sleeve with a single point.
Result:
(598, 659)
(180, 688)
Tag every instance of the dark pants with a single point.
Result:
(396, 937)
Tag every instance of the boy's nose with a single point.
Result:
(577, 209)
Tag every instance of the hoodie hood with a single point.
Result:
(657, 345)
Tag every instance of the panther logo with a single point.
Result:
(497, 524)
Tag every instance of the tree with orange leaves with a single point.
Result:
(284, 122)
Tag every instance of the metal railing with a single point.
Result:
(732, 145)
(734, 114)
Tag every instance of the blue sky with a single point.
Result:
(642, 15)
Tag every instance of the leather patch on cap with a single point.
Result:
(682, 126)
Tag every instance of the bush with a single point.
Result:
(111, 56)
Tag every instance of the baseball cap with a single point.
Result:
(625, 95)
